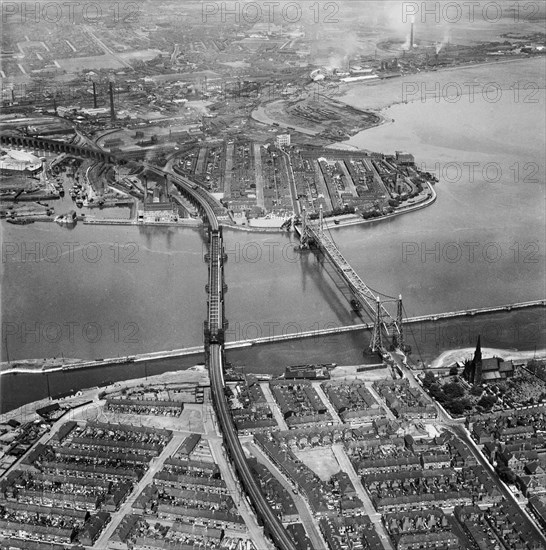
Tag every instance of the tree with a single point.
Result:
(487, 401)
(429, 379)
(476, 390)
(453, 371)
(436, 391)
(453, 390)
(466, 403)
(506, 474)
(456, 407)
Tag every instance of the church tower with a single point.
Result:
(473, 369)
(478, 352)
(477, 363)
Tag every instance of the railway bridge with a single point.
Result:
(214, 333)
(55, 146)
(214, 328)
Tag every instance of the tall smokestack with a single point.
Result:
(94, 95)
(112, 110)
(411, 38)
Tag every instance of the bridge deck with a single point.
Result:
(215, 317)
(351, 277)
(215, 360)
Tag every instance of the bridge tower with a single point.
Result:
(376, 343)
(398, 339)
(304, 238)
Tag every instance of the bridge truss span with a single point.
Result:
(385, 325)
(214, 353)
(216, 323)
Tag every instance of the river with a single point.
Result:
(103, 291)
(482, 242)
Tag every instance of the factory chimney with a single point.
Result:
(112, 110)
(411, 38)
(94, 95)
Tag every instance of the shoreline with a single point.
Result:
(447, 358)
(27, 412)
(351, 86)
(40, 366)
(348, 222)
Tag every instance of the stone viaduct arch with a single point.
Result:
(56, 147)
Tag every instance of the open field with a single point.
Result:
(352, 372)
(321, 460)
(191, 419)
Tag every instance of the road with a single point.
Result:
(381, 401)
(79, 411)
(227, 427)
(155, 465)
(327, 402)
(279, 418)
(369, 510)
(306, 516)
(457, 427)
(443, 417)
(234, 488)
(292, 184)
(463, 434)
(105, 47)
(260, 200)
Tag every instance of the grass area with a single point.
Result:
(322, 461)
(191, 419)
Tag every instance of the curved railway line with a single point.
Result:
(214, 353)
(214, 326)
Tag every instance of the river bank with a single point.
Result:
(524, 329)
(471, 80)
(353, 219)
(447, 358)
(146, 269)
(51, 365)
(27, 412)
